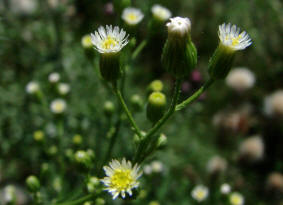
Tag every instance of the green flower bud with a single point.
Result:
(38, 136)
(108, 108)
(44, 169)
(52, 150)
(69, 153)
(83, 159)
(92, 184)
(99, 201)
(155, 86)
(136, 102)
(77, 139)
(179, 55)
(156, 106)
(33, 183)
(88, 203)
(138, 139)
(162, 141)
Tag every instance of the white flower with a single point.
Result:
(58, 106)
(9, 193)
(252, 148)
(54, 77)
(179, 26)
(147, 169)
(157, 166)
(86, 41)
(240, 79)
(132, 16)
(109, 40)
(23, 6)
(231, 37)
(273, 104)
(225, 188)
(236, 199)
(161, 13)
(32, 87)
(121, 178)
(200, 193)
(63, 88)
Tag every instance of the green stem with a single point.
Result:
(78, 201)
(143, 145)
(194, 96)
(128, 113)
(139, 49)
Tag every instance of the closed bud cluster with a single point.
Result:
(231, 40)
(33, 184)
(156, 106)
(179, 55)
(93, 184)
(83, 159)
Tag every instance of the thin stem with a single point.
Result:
(128, 113)
(194, 96)
(143, 145)
(78, 201)
(139, 49)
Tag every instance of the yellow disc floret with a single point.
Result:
(122, 180)
(109, 42)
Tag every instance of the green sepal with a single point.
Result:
(156, 106)
(109, 64)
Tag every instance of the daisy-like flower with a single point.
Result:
(63, 88)
(225, 188)
(132, 16)
(32, 87)
(236, 199)
(231, 37)
(121, 178)
(200, 193)
(58, 106)
(109, 40)
(179, 26)
(54, 77)
(161, 13)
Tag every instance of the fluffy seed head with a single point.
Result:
(240, 79)
(273, 104)
(161, 13)
(252, 148)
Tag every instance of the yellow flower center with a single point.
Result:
(235, 41)
(235, 200)
(58, 106)
(121, 179)
(109, 42)
(131, 17)
(87, 41)
(200, 194)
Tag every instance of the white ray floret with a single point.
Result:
(200, 193)
(179, 26)
(161, 12)
(121, 178)
(231, 37)
(109, 39)
(132, 16)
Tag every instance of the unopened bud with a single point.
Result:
(156, 106)
(108, 108)
(32, 183)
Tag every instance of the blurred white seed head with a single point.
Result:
(58, 106)
(252, 149)
(23, 6)
(225, 188)
(216, 165)
(275, 182)
(200, 193)
(178, 26)
(32, 87)
(63, 88)
(54, 77)
(240, 79)
(160, 13)
(273, 104)
(236, 199)
(132, 16)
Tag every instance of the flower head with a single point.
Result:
(179, 26)
(32, 87)
(132, 16)
(109, 40)
(240, 79)
(236, 199)
(252, 148)
(231, 37)
(225, 188)
(58, 106)
(200, 193)
(273, 104)
(54, 77)
(121, 177)
(161, 13)
(63, 88)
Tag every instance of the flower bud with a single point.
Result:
(179, 55)
(155, 86)
(52, 150)
(108, 108)
(231, 40)
(87, 45)
(77, 139)
(162, 141)
(92, 184)
(38, 136)
(33, 183)
(136, 102)
(83, 159)
(99, 201)
(156, 106)
(138, 139)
